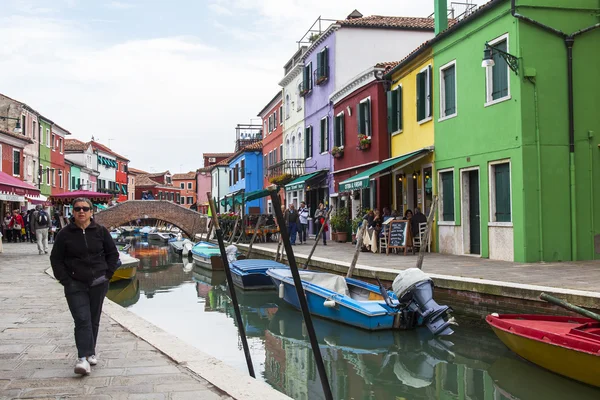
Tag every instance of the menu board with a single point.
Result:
(399, 232)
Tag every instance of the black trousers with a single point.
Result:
(85, 303)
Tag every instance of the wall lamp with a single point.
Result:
(415, 174)
(17, 125)
(400, 177)
(488, 58)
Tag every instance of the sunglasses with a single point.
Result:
(84, 209)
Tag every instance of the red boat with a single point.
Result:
(569, 346)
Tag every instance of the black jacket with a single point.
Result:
(83, 255)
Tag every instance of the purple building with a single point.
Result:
(334, 58)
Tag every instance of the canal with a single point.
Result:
(193, 304)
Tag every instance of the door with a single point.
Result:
(474, 219)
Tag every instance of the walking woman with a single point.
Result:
(16, 224)
(84, 258)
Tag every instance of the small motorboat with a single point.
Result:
(160, 236)
(146, 230)
(367, 306)
(252, 274)
(127, 268)
(179, 245)
(207, 255)
(569, 346)
(115, 234)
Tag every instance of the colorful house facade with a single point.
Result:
(46, 174)
(85, 158)
(272, 145)
(245, 177)
(187, 183)
(207, 179)
(61, 175)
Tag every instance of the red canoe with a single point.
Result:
(569, 346)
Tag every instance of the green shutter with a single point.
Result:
(390, 112)
(420, 96)
(399, 107)
(319, 64)
(305, 79)
(359, 119)
(502, 186)
(430, 92)
(499, 73)
(448, 196)
(449, 90)
(326, 62)
(326, 133)
(336, 131)
(323, 145)
(367, 117)
(342, 130)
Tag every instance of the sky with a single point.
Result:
(160, 82)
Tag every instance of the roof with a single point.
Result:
(157, 174)
(204, 169)
(75, 145)
(387, 65)
(380, 21)
(16, 136)
(103, 148)
(270, 104)
(217, 154)
(146, 180)
(136, 171)
(23, 105)
(187, 175)
(253, 146)
(222, 163)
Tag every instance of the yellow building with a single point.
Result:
(410, 124)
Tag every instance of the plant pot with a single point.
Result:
(341, 237)
(334, 236)
(338, 155)
(365, 146)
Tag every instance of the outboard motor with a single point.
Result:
(415, 288)
(231, 251)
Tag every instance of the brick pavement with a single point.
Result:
(37, 349)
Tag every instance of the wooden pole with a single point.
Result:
(359, 241)
(569, 306)
(210, 228)
(237, 220)
(278, 247)
(232, 293)
(425, 241)
(254, 235)
(317, 238)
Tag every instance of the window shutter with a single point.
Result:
(430, 91)
(390, 111)
(319, 64)
(342, 130)
(305, 78)
(499, 73)
(322, 136)
(420, 96)
(359, 119)
(367, 117)
(310, 81)
(502, 182)
(326, 62)
(336, 131)
(326, 134)
(399, 107)
(449, 91)
(448, 196)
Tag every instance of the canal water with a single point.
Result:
(193, 304)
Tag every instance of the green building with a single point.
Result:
(45, 154)
(518, 174)
(74, 175)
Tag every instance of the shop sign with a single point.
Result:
(11, 197)
(360, 184)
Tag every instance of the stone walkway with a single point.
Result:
(37, 349)
(581, 275)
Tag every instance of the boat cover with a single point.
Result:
(334, 283)
(256, 265)
(407, 279)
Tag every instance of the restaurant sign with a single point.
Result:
(11, 197)
(355, 185)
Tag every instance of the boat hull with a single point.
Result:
(570, 362)
(255, 281)
(214, 263)
(339, 313)
(252, 274)
(124, 272)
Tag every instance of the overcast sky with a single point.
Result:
(163, 81)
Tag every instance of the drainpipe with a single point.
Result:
(592, 230)
(569, 42)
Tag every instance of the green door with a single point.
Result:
(474, 219)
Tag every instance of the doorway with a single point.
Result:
(471, 218)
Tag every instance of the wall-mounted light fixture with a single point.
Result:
(415, 174)
(400, 177)
(488, 58)
(17, 125)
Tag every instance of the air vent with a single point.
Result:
(212, 159)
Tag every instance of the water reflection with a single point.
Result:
(194, 304)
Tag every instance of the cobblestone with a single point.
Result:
(37, 350)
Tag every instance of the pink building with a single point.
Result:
(203, 185)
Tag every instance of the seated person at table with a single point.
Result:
(408, 214)
(386, 214)
(417, 219)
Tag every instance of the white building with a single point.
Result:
(82, 155)
(220, 182)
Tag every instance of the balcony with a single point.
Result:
(290, 168)
(247, 134)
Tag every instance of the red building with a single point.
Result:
(121, 178)
(57, 160)
(157, 186)
(361, 101)
(187, 185)
(11, 153)
(273, 163)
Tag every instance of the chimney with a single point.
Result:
(440, 15)
(354, 15)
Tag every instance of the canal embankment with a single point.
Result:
(136, 359)
(471, 285)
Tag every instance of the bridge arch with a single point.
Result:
(189, 221)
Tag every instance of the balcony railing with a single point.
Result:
(291, 166)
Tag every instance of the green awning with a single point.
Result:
(231, 199)
(361, 181)
(124, 189)
(100, 206)
(100, 160)
(259, 194)
(300, 182)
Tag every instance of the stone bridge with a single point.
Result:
(149, 211)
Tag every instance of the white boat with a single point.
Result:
(160, 236)
(181, 246)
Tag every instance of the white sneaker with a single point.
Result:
(92, 360)
(82, 367)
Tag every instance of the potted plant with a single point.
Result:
(337, 151)
(364, 142)
(340, 224)
(355, 223)
(281, 180)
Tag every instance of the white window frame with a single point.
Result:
(53, 174)
(399, 131)
(48, 137)
(443, 68)
(428, 82)
(15, 151)
(312, 137)
(368, 98)
(190, 199)
(441, 197)
(492, 193)
(61, 181)
(189, 186)
(488, 76)
(34, 131)
(326, 118)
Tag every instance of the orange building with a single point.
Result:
(187, 184)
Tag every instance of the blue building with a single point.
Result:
(245, 178)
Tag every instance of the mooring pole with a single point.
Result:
(254, 236)
(300, 291)
(317, 238)
(359, 242)
(237, 220)
(234, 300)
(210, 228)
(425, 241)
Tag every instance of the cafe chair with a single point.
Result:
(383, 242)
(418, 240)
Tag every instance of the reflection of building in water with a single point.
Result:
(163, 279)
(457, 381)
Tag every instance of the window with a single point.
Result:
(287, 106)
(324, 134)
(448, 90)
(60, 145)
(23, 125)
(497, 84)
(190, 200)
(500, 192)
(53, 177)
(60, 179)
(266, 163)
(424, 88)
(33, 130)
(394, 110)
(275, 120)
(53, 142)
(16, 162)
(266, 128)
(230, 180)
(298, 94)
(270, 123)
(280, 115)
(182, 185)
(243, 169)
(338, 136)
(447, 195)
(308, 149)
(182, 200)
(68, 182)
(47, 137)
(322, 66)
(307, 79)
(189, 185)
(40, 133)
(281, 151)
(363, 117)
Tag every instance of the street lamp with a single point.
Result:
(488, 58)
(17, 125)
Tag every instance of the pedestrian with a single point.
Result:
(40, 223)
(303, 214)
(318, 217)
(84, 259)
(15, 225)
(291, 220)
(6, 230)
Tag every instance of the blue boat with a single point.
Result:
(367, 306)
(252, 274)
